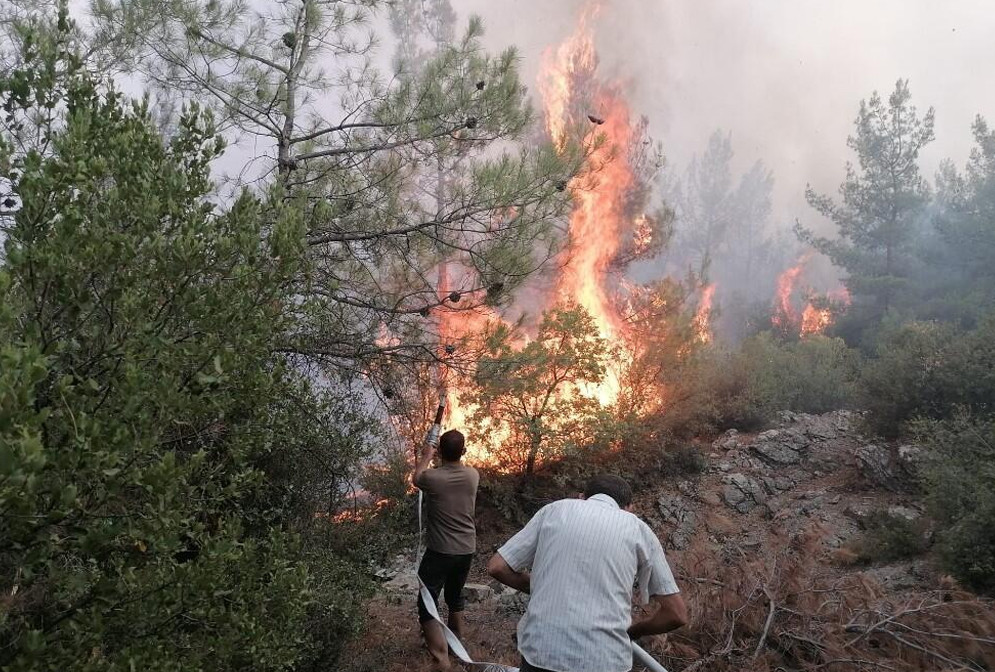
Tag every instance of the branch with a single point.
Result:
(339, 151)
(767, 624)
(238, 51)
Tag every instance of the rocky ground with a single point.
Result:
(812, 477)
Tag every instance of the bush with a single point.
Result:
(929, 369)
(889, 537)
(748, 387)
(149, 517)
(683, 460)
(959, 475)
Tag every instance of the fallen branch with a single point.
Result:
(767, 623)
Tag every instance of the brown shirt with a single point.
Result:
(451, 491)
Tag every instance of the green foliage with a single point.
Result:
(888, 537)
(882, 202)
(812, 375)
(683, 460)
(930, 370)
(959, 474)
(535, 393)
(149, 520)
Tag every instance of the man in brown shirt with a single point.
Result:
(451, 536)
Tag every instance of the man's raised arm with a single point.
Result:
(423, 464)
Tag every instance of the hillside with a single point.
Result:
(801, 547)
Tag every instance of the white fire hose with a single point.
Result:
(455, 645)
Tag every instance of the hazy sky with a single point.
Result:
(785, 76)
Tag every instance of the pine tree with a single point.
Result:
(350, 150)
(883, 200)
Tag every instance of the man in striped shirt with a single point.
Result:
(585, 554)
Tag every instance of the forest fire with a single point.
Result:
(702, 317)
(785, 315)
(815, 320)
(599, 221)
(578, 108)
(820, 311)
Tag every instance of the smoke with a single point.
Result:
(785, 77)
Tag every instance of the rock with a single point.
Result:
(780, 446)
(812, 505)
(821, 427)
(385, 573)
(728, 441)
(724, 467)
(858, 512)
(512, 602)
(709, 498)
(875, 464)
(477, 592)
(678, 513)
(743, 493)
(778, 454)
(404, 582)
(751, 541)
(903, 512)
(902, 576)
(778, 483)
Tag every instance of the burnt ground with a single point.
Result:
(771, 524)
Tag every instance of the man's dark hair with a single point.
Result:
(451, 445)
(613, 486)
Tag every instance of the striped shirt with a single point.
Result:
(585, 557)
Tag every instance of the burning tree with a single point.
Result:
(534, 402)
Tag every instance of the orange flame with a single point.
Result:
(701, 319)
(556, 84)
(815, 320)
(784, 313)
(598, 221)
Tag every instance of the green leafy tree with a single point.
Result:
(882, 201)
(958, 282)
(959, 477)
(703, 202)
(929, 369)
(355, 152)
(536, 400)
(147, 516)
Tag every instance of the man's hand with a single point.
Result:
(500, 570)
(428, 454)
(670, 614)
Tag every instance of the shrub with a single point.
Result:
(746, 388)
(959, 475)
(929, 369)
(149, 517)
(889, 537)
(683, 460)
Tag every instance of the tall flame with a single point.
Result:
(785, 314)
(599, 219)
(556, 82)
(703, 316)
(598, 222)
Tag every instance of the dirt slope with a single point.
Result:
(762, 544)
